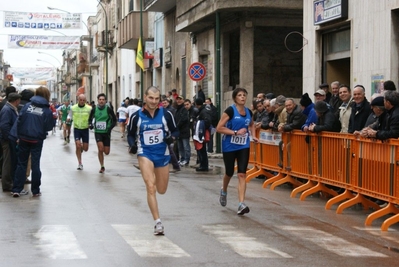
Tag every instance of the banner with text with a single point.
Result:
(43, 42)
(39, 76)
(34, 20)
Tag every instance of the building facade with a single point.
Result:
(353, 42)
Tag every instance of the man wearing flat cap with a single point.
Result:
(326, 89)
(376, 120)
(326, 121)
(8, 115)
(390, 128)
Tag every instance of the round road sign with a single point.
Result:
(197, 71)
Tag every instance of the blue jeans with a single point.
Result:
(183, 145)
(25, 149)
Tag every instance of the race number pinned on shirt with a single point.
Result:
(239, 139)
(101, 125)
(153, 137)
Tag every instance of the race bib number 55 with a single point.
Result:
(153, 137)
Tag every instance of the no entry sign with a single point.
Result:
(196, 71)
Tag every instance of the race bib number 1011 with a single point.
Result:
(239, 139)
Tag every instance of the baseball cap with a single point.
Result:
(320, 92)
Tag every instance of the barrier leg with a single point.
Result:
(315, 189)
(345, 195)
(286, 179)
(390, 208)
(302, 188)
(389, 222)
(250, 171)
(273, 179)
(357, 199)
(255, 174)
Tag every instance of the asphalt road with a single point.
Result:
(85, 218)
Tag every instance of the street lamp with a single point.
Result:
(50, 56)
(47, 62)
(106, 47)
(47, 29)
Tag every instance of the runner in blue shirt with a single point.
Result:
(150, 131)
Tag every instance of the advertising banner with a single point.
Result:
(33, 20)
(271, 138)
(33, 75)
(43, 42)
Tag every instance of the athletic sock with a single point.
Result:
(157, 220)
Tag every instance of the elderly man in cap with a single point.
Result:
(325, 88)
(280, 113)
(326, 121)
(319, 95)
(8, 116)
(390, 128)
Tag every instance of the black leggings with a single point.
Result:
(229, 159)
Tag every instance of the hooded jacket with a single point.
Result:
(34, 121)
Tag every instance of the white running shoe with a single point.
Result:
(158, 229)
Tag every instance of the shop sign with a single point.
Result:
(157, 58)
(328, 10)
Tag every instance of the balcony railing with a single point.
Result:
(159, 5)
(129, 30)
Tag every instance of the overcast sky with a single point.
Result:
(28, 57)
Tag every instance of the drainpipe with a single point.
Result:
(218, 91)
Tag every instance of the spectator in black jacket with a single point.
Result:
(200, 93)
(215, 120)
(26, 95)
(391, 128)
(326, 89)
(335, 101)
(203, 115)
(182, 123)
(326, 121)
(8, 116)
(361, 109)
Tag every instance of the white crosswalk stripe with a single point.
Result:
(145, 244)
(58, 242)
(330, 242)
(241, 243)
(391, 234)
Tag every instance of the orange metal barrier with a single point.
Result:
(362, 169)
